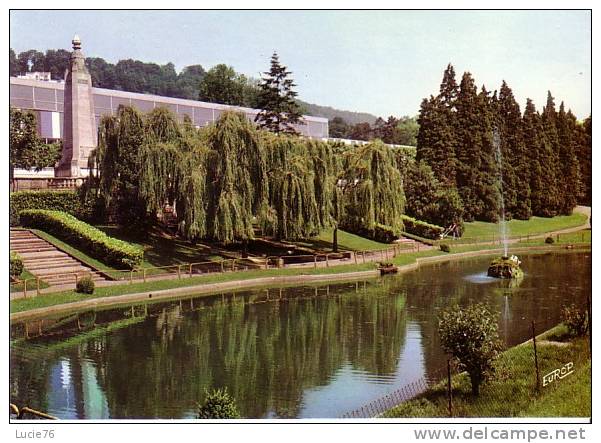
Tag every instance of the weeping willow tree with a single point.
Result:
(237, 179)
(292, 196)
(115, 165)
(373, 189)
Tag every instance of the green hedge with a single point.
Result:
(80, 234)
(16, 264)
(380, 233)
(422, 229)
(64, 200)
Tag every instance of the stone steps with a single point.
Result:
(44, 260)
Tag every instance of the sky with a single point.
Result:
(381, 62)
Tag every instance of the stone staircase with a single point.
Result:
(44, 260)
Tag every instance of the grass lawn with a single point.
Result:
(56, 298)
(511, 391)
(346, 241)
(584, 236)
(31, 285)
(482, 231)
(164, 250)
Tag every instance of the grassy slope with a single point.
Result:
(511, 393)
(346, 241)
(480, 231)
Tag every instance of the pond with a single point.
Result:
(304, 351)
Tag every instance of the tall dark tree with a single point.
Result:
(549, 159)
(516, 171)
(434, 140)
(584, 154)
(570, 184)
(31, 61)
(535, 146)
(477, 172)
(276, 99)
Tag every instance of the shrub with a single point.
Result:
(445, 247)
(67, 201)
(16, 264)
(549, 240)
(85, 285)
(575, 319)
(218, 404)
(79, 234)
(421, 229)
(380, 233)
(471, 336)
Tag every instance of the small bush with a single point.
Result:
(79, 234)
(421, 228)
(471, 336)
(85, 285)
(218, 404)
(549, 240)
(575, 319)
(445, 247)
(16, 264)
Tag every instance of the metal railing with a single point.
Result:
(34, 285)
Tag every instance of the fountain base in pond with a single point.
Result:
(506, 267)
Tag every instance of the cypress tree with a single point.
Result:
(516, 175)
(570, 183)
(437, 139)
(477, 173)
(584, 154)
(549, 159)
(535, 146)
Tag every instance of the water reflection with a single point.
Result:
(314, 351)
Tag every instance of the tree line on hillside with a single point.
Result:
(220, 84)
(470, 138)
(397, 131)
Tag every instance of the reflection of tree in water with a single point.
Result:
(267, 354)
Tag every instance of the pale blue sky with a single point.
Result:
(379, 62)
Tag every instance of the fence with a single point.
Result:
(28, 287)
(538, 364)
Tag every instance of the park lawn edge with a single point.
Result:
(406, 262)
(548, 403)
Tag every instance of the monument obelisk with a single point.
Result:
(79, 126)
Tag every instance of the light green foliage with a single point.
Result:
(373, 189)
(238, 182)
(471, 336)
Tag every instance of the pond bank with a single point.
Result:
(65, 302)
(511, 392)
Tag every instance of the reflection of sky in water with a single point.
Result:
(328, 401)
